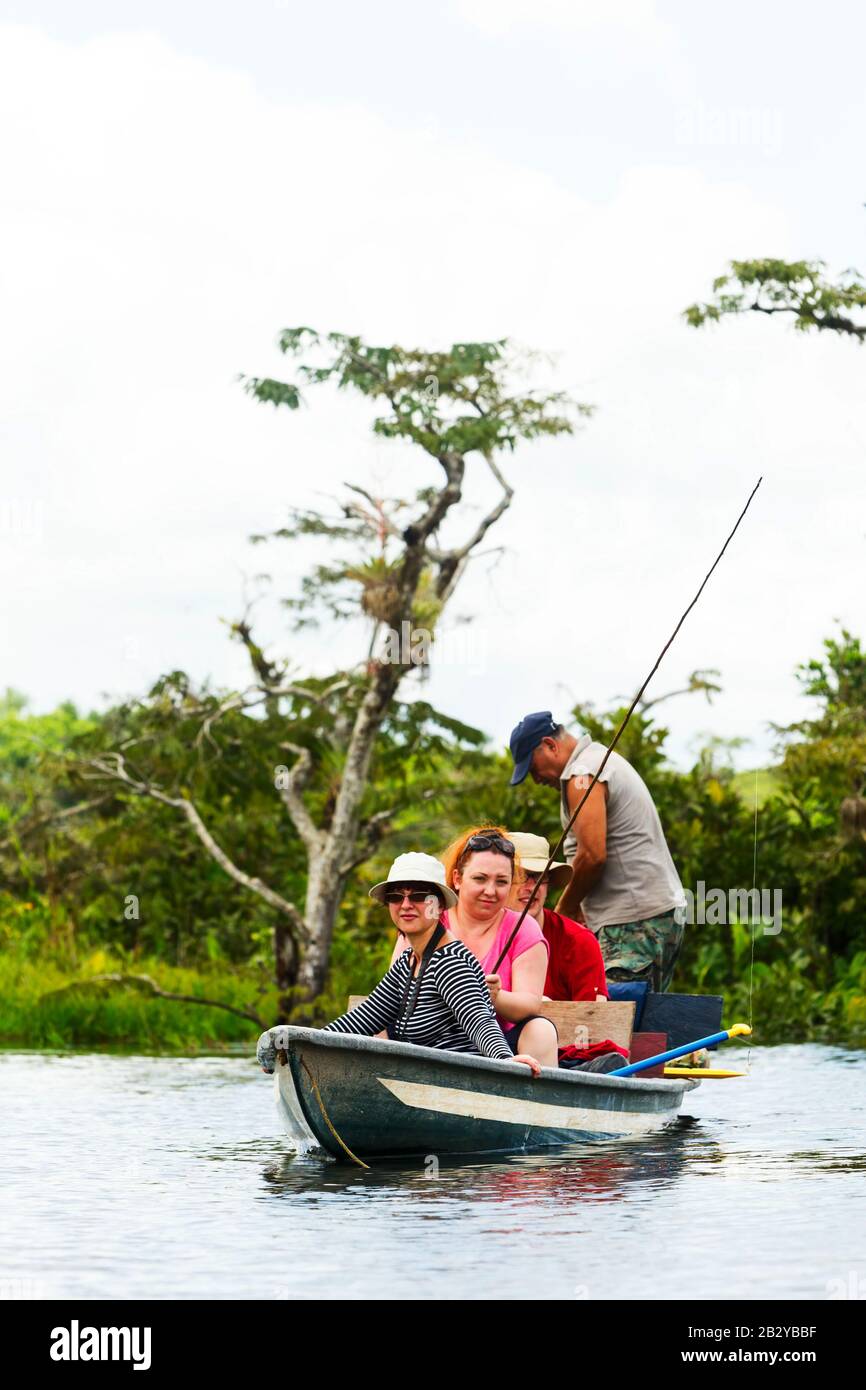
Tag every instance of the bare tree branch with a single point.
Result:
(699, 681)
(112, 765)
(839, 323)
(291, 795)
(370, 836)
(145, 982)
(267, 671)
(259, 694)
(53, 817)
(378, 518)
(235, 702)
(315, 697)
(453, 562)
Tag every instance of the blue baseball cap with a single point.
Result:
(525, 738)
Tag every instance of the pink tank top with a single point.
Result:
(530, 934)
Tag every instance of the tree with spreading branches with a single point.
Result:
(388, 569)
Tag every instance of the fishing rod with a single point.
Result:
(618, 735)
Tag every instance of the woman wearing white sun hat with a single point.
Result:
(434, 994)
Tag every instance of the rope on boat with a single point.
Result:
(325, 1116)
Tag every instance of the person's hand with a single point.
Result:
(494, 985)
(530, 1062)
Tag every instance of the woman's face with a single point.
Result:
(485, 882)
(411, 917)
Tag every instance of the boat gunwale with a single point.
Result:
(357, 1042)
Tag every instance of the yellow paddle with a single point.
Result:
(710, 1073)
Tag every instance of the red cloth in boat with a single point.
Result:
(586, 1054)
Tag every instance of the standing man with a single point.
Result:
(623, 878)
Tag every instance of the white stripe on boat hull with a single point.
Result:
(475, 1105)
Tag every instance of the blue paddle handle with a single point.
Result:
(679, 1051)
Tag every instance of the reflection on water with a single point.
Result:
(169, 1177)
(576, 1172)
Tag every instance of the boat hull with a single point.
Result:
(384, 1098)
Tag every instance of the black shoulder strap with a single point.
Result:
(408, 1004)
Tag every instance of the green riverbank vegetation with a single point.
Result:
(109, 905)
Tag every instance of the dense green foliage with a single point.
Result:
(798, 289)
(814, 804)
(73, 861)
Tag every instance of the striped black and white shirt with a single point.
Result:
(453, 1010)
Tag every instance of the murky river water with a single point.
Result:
(149, 1177)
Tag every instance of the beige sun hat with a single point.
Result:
(534, 852)
(422, 869)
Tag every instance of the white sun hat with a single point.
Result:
(534, 852)
(422, 869)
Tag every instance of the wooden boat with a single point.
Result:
(385, 1098)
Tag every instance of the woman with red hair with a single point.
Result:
(481, 867)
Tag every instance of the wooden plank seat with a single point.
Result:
(580, 1023)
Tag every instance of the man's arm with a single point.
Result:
(590, 830)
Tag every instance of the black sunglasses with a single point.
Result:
(497, 842)
(415, 895)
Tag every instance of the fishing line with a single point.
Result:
(618, 735)
(752, 916)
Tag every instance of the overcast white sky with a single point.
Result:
(179, 181)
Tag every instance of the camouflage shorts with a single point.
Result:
(645, 950)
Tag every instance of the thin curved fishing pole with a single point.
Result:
(617, 736)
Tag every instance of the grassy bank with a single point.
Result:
(46, 1005)
(43, 1004)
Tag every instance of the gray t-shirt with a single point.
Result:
(639, 879)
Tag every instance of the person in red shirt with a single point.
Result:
(575, 967)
